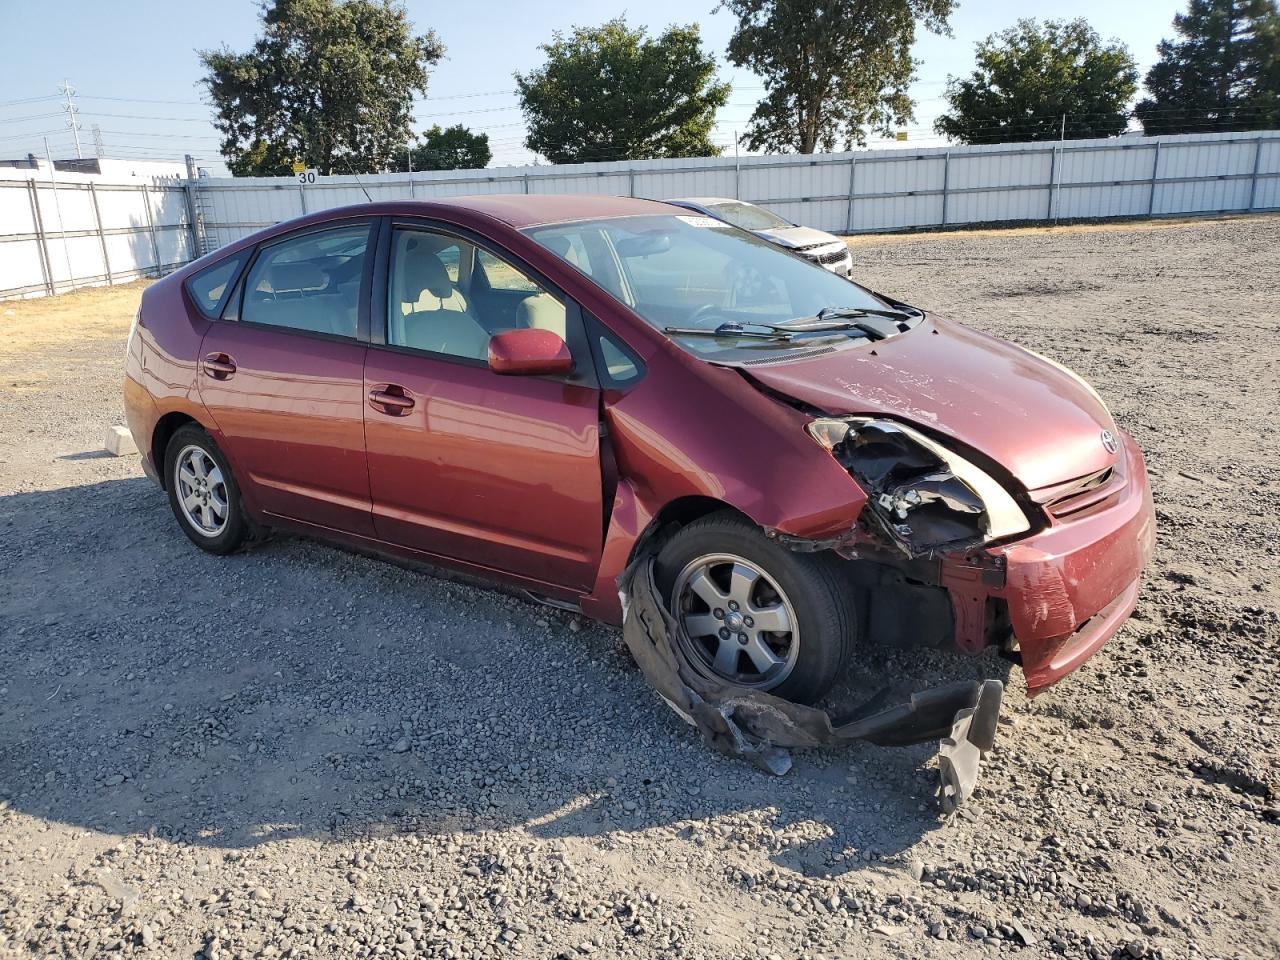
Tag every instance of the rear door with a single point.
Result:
(282, 376)
(500, 472)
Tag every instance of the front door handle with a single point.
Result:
(391, 399)
(219, 366)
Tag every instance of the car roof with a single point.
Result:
(517, 210)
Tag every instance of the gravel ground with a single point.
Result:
(296, 751)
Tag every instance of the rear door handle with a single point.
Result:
(219, 366)
(391, 399)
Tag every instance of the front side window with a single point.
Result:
(310, 282)
(448, 296)
(692, 272)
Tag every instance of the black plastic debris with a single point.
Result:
(763, 729)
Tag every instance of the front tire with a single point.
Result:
(203, 493)
(753, 613)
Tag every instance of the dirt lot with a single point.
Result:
(296, 751)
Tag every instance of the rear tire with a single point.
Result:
(727, 584)
(203, 493)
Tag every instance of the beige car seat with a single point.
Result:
(299, 300)
(542, 312)
(429, 312)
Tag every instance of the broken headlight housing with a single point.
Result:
(925, 496)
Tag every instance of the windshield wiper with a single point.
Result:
(836, 313)
(822, 321)
(769, 332)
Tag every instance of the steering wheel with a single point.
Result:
(704, 311)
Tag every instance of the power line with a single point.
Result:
(12, 103)
(32, 116)
(143, 116)
(184, 137)
(192, 103)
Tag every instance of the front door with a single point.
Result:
(501, 472)
(283, 379)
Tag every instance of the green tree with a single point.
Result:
(453, 148)
(1223, 74)
(1029, 77)
(329, 83)
(261, 159)
(832, 69)
(612, 93)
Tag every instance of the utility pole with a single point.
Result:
(98, 148)
(737, 169)
(1055, 198)
(70, 109)
(62, 227)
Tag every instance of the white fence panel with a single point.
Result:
(48, 245)
(76, 230)
(1267, 186)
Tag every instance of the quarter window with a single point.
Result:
(209, 287)
(310, 282)
(619, 368)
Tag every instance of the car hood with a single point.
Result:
(1041, 423)
(795, 237)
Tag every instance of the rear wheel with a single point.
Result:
(203, 492)
(753, 613)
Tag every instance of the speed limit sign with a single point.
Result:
(308, 177)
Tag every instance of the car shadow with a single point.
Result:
(88, 455)
(297, 689)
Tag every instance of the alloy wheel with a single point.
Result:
(202, 491)
(737, 624)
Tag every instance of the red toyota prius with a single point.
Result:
(536, 389)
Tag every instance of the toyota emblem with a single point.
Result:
(1109, 441)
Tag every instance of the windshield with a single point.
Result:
(693, 272)
(746, 216)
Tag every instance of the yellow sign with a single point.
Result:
(900, 135)
(299, 166)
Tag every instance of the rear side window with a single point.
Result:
(309, 282)
(209, 287)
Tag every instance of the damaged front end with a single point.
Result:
(1046, 588)
(762, 728)
(924, 497)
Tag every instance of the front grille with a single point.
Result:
(828, 258)
(1074, 496)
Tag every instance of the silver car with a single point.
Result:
(824, 249)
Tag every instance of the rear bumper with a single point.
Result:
(141, 414)
(1069, 588)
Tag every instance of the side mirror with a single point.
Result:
(529, 352)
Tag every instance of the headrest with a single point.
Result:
(563, 249)
(296, 276)
(420, 269)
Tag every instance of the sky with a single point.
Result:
(137, 76)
